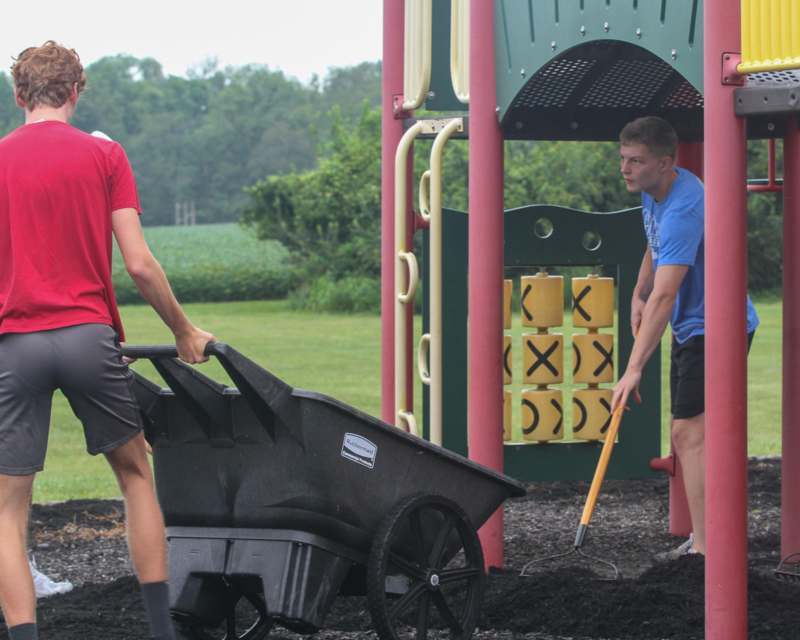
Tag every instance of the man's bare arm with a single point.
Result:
(646, 280)
(642, 290)
(655, 317)
(152, 283)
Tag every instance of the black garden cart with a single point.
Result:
(277, 500)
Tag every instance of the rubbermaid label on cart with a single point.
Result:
(359, 450)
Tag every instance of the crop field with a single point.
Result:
(212, 263)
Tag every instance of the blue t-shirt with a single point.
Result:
(674, 229)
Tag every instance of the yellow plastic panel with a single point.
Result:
(591, 413)
(543, 358)
(593, 358)
(506, 416)
(770, 35)
(507, 362)
(542, 415)
(593, 302)
(542, 300)
(417, 53)
(507, 287)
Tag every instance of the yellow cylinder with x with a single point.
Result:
(542, 300)
(591, 413)
(593, 358)
(543, 358)
(592, 302)
(542, 415)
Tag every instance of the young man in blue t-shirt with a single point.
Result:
(670, 288)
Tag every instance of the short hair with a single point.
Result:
(653, 132)
(45, 75)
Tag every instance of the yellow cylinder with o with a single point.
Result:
(506, 416)
(542, 415)
(507, 360)
(543, 358)
(542, 300)
(592, 358)
(591, 413)
(593, 302)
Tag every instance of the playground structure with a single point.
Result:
(720, 73)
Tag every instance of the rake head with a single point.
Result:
(789, 568)
(613, 576)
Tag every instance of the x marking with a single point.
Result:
(525, 293)
(607, 407)
(577, 304)
(542, 358)
(607, 362)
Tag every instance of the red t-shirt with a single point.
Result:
(58, 187)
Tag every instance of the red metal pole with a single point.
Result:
(690, 156)
(725, 362)
(790, 456)
(391, 132)
(485, 263)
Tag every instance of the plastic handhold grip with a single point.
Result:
(424, 196)
(413, 276)
(410, 421)
(423, 355)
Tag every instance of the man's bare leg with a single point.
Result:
(146, 536)
(17, 597)
(689, 440)
(145, 524)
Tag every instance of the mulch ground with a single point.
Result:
(83, 541)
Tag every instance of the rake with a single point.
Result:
(789, 568)
(588, 509)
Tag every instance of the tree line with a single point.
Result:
(202, 138)
(300, 163)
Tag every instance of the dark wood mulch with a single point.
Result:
(84, 542)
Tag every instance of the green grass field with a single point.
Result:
(338, 355)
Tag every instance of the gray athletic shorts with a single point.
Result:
(83, 361)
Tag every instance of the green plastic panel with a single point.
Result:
(621, 247)
(582, 69)
(528, 34)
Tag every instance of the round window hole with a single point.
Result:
(543, 228)
(591, 241)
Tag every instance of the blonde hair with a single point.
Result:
(44, 76)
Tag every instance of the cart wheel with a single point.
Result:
(425, 570)
(191, 629)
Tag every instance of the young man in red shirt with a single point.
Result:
(63, 193)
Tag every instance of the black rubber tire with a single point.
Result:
(187, 629)
(429, 572)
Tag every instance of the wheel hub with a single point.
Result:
(433, 581)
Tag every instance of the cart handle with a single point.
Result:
(165, 350)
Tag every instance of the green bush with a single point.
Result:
(351, 294)
(212, 263)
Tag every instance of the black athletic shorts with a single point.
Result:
(687, 376)
(85, 362)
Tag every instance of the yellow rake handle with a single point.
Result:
(599, 474)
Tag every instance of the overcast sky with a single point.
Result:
(300, 37)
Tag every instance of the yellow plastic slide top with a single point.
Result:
(770, 35)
